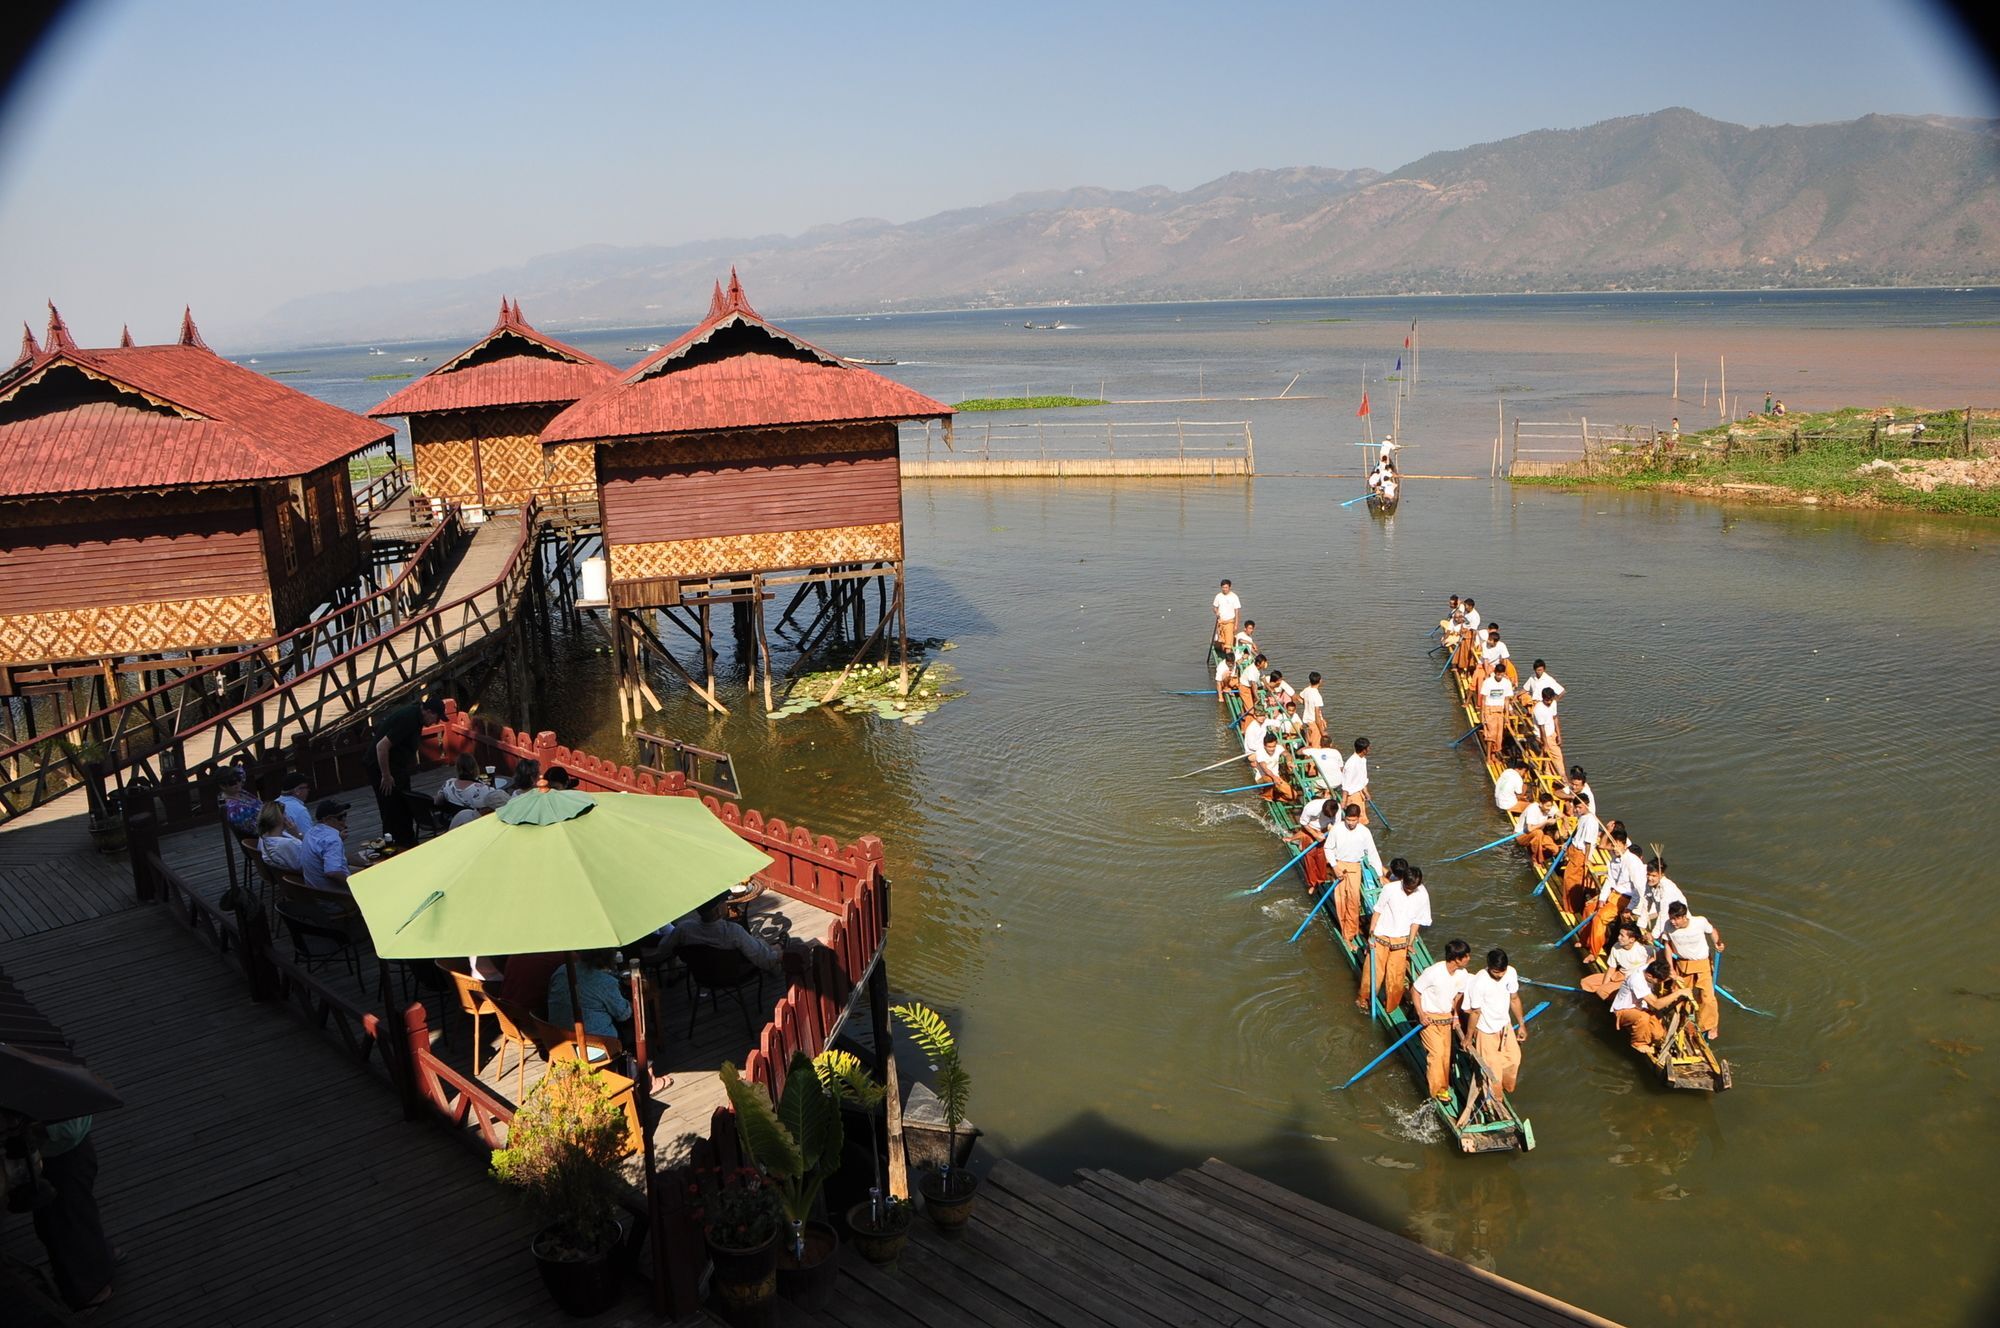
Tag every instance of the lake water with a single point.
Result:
(1796, 703)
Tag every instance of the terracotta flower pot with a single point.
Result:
(948, 1199)
(883, 1245)
(746, 1280)
(808, 1283)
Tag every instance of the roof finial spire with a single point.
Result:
(125, 337)
(29, 350)
(57, 337)
(517, 313)
(738, 302)
(501, 321)
(717, 305)
(190, 335)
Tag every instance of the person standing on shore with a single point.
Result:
(1227, 609)
(1767, 403)
(1438, 996)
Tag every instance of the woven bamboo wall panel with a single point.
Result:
(456, 450)
(774, 551)
(446, 469)
(134, 629)
(572, 467)
(749, 445)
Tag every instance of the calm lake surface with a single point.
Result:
(1797, 704)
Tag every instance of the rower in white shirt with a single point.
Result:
(1326, 766)
(1245, 646)
(1510, 791)
(1402, 909)
(1628, 954)
(1354, 778)
(1540, 678)
(1584, 838)
(1548, 724)
(1493, 998)
(1312, 709)
(1316, 819)
(1348, 845)
(1269, 764)
(1493, 654)
(1494, 693)
(1471, 615)
(1538, 830)
(1249, 678)
(1225, 677)
(1660, 895)
(1228, 608)
(1688, 937)
(1465, 656)
(1437, 995)
(1253, 734)
(1580, 790)
(1624, 885)
(1281, 691)
(1647, 993)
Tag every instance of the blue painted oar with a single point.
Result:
(1282, 870)
(1729, 995)
(1379, 812)
(1463, 736)
(1414, 1030)
(1447, 664)
(1527, 1018)
(1362, 499)
(1324, 895)
(1504, 839)
(1554, 986)
(1543, 884)
(1202, 693)
(1558, 943)
(1240, 788)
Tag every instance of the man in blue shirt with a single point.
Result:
(324, 861)
(598, 991)
(292, 791)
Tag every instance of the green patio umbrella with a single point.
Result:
(553, 870)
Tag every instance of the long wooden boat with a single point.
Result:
(1381, 506)
(1687, 1060)
(1491, 1126)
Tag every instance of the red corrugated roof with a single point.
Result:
(159, 417)
(733, 370)
(512, 365)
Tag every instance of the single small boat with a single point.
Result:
(1382, 504)
(1488, 1123)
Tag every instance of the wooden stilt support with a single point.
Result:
(902, 613)
(763, 642)
(706, 694)
(866, 646)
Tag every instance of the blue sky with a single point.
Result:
(234, 154)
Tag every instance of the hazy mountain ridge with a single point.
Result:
(1671, 198)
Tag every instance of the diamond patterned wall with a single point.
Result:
(769, 552)
(135, 629)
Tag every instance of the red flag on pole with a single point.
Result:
(1406, 343)
(1364, 405)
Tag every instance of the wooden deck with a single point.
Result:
(1205, 1248)
(51, 875)
(720, 1034)
(256, 1174)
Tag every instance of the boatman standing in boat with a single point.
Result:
(1494, 694)
(1660, 897)
(1249, 680)
(1493, 655)
(1312, 709)
(1438, 993)
(1493, 997)
(1586, 836)
(1348, 845)
(1354, 778)
(1688, 938)
(1401, 911)
(1543, 715)
(1228, 608)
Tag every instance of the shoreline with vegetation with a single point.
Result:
(973, 404)
(1888, 458)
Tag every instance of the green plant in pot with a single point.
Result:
(741, 1219)
(563, 1150)
(880, 1224)
(797, 1141)
(947, 1191)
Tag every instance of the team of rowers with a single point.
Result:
(1285, 741)
(1658, 953)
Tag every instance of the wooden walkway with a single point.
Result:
(256, 1175)
(51, 874)
(1205, 1248)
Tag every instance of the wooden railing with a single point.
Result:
(381, 492)
(100, 747)
(658, 756)
(459, 1100)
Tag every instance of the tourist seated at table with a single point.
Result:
(324, 861)
(240, 807)
(598, 992)
(277, 843)
(464, 787)
(527, 776)
(293, 789)
(559, 778)
(527, 981)
(713, 928)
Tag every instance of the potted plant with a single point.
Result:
(948, 1190)
(879, 1224)
(563, 1149)
(741, 1220)
(796, 1141)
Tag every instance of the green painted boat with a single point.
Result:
(1491, 1125)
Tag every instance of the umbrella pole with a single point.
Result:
(642, 1102)
(576, 1009)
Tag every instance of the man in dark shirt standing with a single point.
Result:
(391, 759)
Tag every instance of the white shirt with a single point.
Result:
(1534, 682)
(1659, 899)
(1691, 941)
(1248, 675)
(1253, 736)
(1534, 818)
(1544, 716)
(1283, 691)
(1588, 831)
(1626, 958)
(1437, 987)
(1492, 998)
(1222, 668)
(1626, 876)
(1328, 761)
(1396, 911)
(1495, 691)
(1589, 796)
(1313, 816)
(1633, 994)
(1267, 760)
(1472, 620)
(1354, 775)
(1389, 487)
(1356, 845)
(1227, 606)
(1507, 789)
(285, 852)
(1493, 653)
(1310, 703)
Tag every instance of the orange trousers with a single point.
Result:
(1389, 972)
(1576, 878)
(1347, 900)
(1701, 976)
(1643, 1027)
(1317, 873)
(1501, 1054)
(1599, 929)
(1436, 1038)
(1493, 727)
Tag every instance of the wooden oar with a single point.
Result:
(1266, 883)
(1543, 884)
(1240, 788)
(1240, 756)
(1504, 839)
(1362, 499)
(1324, 895)
(1414, 1030)
(1559, 941)
(1463, 736)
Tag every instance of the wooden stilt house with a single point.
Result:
(476, 420)
(160, 500)
(737, 459)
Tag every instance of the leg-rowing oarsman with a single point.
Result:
(1586, 837)
(1348, 845)
(1688, 938)
(1648, 992)
(1312, 710)
(1315, 819)
(1496, 690)
(1228, 608)
(1250, 685)
(1269, 765)
(1510, 791)
(1499, 1028)
(1538, 825)
(1437, 995)
(1401, 911)
(1658, 900)
(1354, 778)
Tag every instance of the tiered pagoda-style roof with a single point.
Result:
(126, 417)
(733, 370)
(512, 365)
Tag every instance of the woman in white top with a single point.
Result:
(277, 843)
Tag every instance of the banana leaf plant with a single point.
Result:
(795, 1140)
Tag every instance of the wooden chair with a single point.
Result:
(314, 917)
(713, 969)
(559, 1044)
(472, 999)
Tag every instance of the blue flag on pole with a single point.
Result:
(1399, 364)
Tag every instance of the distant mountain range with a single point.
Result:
(1661, 200)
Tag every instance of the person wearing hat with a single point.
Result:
(324, 861)
(293, 789)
